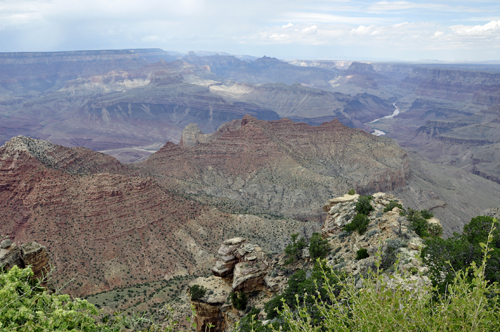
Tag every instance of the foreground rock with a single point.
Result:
(243, 267)
(30, 254)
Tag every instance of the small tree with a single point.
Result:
(239, 300)
(362, 254)
(294, 249)
(318, 247)
(363, 205)
(359, 222)
(197, 292)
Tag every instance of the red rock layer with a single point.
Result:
(104, 230)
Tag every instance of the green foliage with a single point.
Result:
(435, 230)
(362, 254)
(398, 304)
(446, 257)
(392, 205)
(351, 192)
(239, 300)
(359, 223)
(301, 289)
(294, 249)
(27, 306)
(197, 292)
(426, 214)
(417, 223)
(318, 247)
(363, 205)
(250, 323)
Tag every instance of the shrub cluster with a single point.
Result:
(197, 292)
(351, 192)
(318, 247)
(359, 223)
(362, 254)
(446, 257)
(239, 300)
(392, 205)
(294, 249)
(363, 205)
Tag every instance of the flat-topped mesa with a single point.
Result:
(29, 254)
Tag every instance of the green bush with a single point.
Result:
(303, 288)
(435, 230)
(359, 223)
(318, 247)
(426, 214)
(294, 249)
(392, 205)
(239, 300)
(417, 223)
(351, 192)
(446, 257)
(362, 254)
(197, 292)
(363, 205)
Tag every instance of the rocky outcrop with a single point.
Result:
(388, 233)
(241, 267)
(30, 254)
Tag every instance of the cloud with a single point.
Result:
(489, 29)
(289, 25)
(406, 5)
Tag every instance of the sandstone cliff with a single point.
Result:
(29, 254)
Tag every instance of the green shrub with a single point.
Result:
(294, 249)
(239, 300)
(318, 247)
(197, 292)
(351, 192)
(359, 223)
(363, 205)
(426, 214)
(417, 223)
(362, 254)
(435, 230)
(392, 205)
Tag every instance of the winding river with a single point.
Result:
(380, 132)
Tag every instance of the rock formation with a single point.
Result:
(243, 267)
(29, 254)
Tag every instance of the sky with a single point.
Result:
(442, 30)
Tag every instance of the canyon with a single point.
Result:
(132, 166)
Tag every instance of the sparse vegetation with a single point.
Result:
(351, 192)
(294, 249)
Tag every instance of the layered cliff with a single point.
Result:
(107, 229)
(452, 84)
(281, 166)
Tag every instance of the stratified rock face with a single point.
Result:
(283, 167)
(36, 256)
(30, 254)
(106, 230)
(459, 85)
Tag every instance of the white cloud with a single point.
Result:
(489, 29)
(289, 25)
(406, 5)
